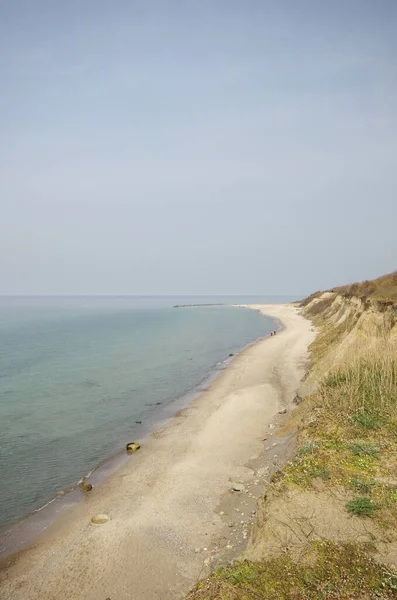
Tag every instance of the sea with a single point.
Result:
(82, 376)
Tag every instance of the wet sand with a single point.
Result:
(167, 522)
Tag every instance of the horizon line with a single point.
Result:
(137, 295)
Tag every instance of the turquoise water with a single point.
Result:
(77, 373)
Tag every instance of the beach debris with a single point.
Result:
(238, 487)
(282, 411)
(85, 486)
(272, 426)
(197, 550)
(132, 446)
(100, 519)
(264, 439)
(231, 354)
(274, 444)
(231, 524)
(297, 399)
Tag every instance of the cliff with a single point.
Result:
(327, 524)
(348, 326)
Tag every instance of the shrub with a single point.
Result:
(367, 420)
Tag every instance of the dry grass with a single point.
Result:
(307, 300)
(383, 290)
(353, 438)
(329, 337)
(366, 390)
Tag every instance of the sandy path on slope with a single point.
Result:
(164, 503)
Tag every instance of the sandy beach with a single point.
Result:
(173, 514)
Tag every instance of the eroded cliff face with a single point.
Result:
(349, 328)
(307, 501)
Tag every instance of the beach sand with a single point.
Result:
(172, 512)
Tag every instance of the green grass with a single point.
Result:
(361, 485)
(367, 420)
(320, 472)
(365, 449)
(363, 506)
(327, 571)
(308, 448)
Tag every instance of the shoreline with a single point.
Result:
(34, 524)
(165, 524)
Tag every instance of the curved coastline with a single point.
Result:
(168, 506)
(20, 534)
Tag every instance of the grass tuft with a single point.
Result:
(367, 389)
(365, 449)
(361, 485)
(308, 448)
(363, 507)
(367, 420)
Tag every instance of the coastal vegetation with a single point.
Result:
(327, 525)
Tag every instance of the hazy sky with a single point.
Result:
(202, 146)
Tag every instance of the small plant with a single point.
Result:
(243, 574)
(366, 420)
(389, 581)
(363, 449)
(361, 485)
(321, 473)
(309, 448)
(363, 507)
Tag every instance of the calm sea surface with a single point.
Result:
(77, 373)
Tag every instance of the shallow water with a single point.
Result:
(76, 374)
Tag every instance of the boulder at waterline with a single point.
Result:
(100, 519)
(132, 446)
(85, 486)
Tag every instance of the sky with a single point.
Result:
(197, 146)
